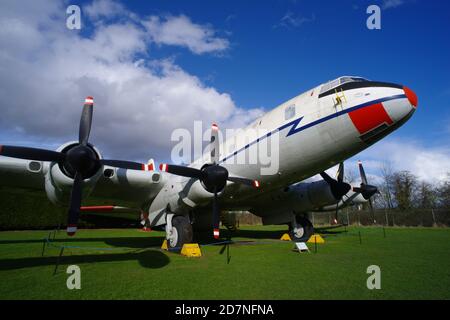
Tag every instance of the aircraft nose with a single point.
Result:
(411, 95)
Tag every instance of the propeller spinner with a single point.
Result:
(338, 187)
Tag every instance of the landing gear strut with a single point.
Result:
(301, 229)
(178, 231)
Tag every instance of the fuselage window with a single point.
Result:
(289, 112)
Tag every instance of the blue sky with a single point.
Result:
(267, 52)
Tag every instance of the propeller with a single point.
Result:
(366, 190)
(338, 187)
(212, 176)
(79, 161)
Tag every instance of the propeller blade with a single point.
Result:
(340, 173)
(215, 152)
(339, 189)
(216, 216)
(181, 171)
(86, 121)
(245, 181)
(31, 153)
(75, 204)
(326, 177)
(123, 164)
(362, 173)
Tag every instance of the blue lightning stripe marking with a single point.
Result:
(294, 124)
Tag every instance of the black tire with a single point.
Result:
(306, 232)
(184, 232)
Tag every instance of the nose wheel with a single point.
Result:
(301, 230)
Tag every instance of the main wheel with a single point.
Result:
(180, 233)
(303, 231)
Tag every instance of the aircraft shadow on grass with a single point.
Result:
(126, 242)
(148, 259)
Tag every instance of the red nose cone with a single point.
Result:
(412, 97)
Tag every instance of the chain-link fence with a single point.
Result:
(410, 218)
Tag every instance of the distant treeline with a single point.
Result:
(402, 190)
(406, 200)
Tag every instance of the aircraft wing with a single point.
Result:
(136, 186)
(120, 186)
(23, 174)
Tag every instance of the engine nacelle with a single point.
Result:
(313, 195)
(59, 180)
(281, 207)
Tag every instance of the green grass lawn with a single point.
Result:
(414, 262)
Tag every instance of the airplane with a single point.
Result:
(316, 130)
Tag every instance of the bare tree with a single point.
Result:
(426, 196)
(405, 184)
(387, 188)
(350, 175)
(443, 192)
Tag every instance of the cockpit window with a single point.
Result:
(351, 79)
(329, 85)
(334, 83)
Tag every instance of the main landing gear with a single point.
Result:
(178, 231)
(301, 229)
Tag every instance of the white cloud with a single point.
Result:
(46, 71)
(290, 20)
(428, 163)
(104, 9)
(388, 4)
(181, 31)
